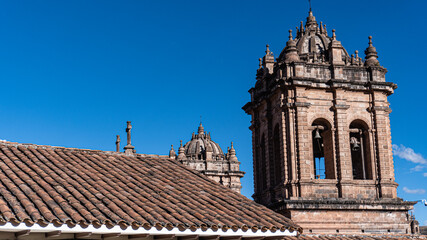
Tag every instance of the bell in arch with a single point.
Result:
(355, 147)
(317, 134)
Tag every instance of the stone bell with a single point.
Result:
(355, 147)
(317, 134)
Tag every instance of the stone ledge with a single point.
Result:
(343, 204)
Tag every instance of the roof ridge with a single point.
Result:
(26, 145)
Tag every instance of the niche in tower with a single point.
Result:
(323, 150)
(360, 151)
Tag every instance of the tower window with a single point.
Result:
(318, 154)
(323, 150)
(360, 152)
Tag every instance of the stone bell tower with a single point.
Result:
(321, 136)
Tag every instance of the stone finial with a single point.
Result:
(352, 59)
(181, 151)
(117, 143)
(129, 149)
(326, 31)
(260, 63)
(291, 51)
(357, 58)
(268, 60)
(371, 55)
(311, 24)
(321, 28)
(267, 51)
(302, 27)
(336, 51)
(172, 153)
(201, 129)
(232, 153)
(311, 17)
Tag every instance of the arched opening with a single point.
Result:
(323, 153)
(360, 151)
(277, 158)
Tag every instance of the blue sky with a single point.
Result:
(73, 72)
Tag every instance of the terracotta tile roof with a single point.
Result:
(354, 237)
(44, 184)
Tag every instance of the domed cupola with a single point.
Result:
(312, 42)
(204, 155)
(202, 147)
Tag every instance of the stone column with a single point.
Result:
(291, 148)
(384, 154)
(342, 144)
(303, 141)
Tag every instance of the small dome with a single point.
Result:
(312, 41)
(201, 143)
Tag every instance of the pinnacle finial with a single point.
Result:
(290, 34)
(172, 153)
(260, 62)
(200, 130)
(334, 36)
(180, 143)
(232, 153)
(371, 54)
(309, 2)
(267, 51)
(129, 149)
(117, 143)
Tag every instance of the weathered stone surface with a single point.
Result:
(206, 156)
(321, 137)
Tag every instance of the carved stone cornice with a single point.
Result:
(379, 109)
(340, 106)
(297, 105)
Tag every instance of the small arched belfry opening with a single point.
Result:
(323, 150)
(360, 150)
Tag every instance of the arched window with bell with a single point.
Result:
(323, 150)
(360, 151)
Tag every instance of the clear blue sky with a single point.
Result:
(73, 72)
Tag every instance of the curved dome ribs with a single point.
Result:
(315, 55)
(206, 156)
(313, 44)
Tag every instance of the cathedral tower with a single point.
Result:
(321, 136)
